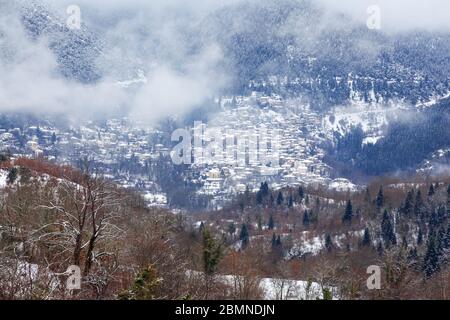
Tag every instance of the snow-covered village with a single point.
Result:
(122, 150)
(236, 150)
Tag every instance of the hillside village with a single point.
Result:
(125, 152)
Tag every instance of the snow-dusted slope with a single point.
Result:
(76, 50)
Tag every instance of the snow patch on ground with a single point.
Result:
(155, 199)
(3, 178)
(371, 140)
(343, 185)
(433, 101)
(279, 289)
(286, 289)
(371, 119)
(306, 245)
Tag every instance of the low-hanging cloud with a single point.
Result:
(168, 91)
(183, 68)
(30, 81)
(178, 75)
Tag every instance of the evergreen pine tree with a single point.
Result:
(277, 247)
(53, 140)
(145, 286)
(313, 217)
(413, 258)
(431, 260)
(247, 193)
(265, 189)
(408, 206)
(437, 217)
(348, 214)
(278, 242)
(262, 193)
(271, 224)
(420, 237)
(328, 242)
(327, 294)
(431, 191)
(440, 246)
(212, 253)
(448, 201)
(259, 197)
(447, 238)
(274, 240)
(379, 202)
(418, 205)
(387, 230)
(280, 199)
(441, 214)
(301, 193)
(433, 221)
(244, 236)
(367, 241)
(306, 219)
(380, 248)
(404, 242)
(12, 175)
(3, 157)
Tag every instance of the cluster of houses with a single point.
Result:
(299, 155)
(113, 146)
(286, 149)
